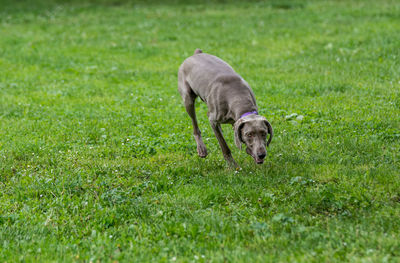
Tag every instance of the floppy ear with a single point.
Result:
(238, 132)
(270, 131)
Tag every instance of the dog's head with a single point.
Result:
(253, 131)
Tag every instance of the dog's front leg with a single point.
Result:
(222, 143)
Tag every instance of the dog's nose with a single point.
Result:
(261, 155)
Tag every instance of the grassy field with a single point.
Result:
(97, 158)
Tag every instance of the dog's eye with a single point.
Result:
(249, 135)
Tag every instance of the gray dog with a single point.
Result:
(229, 99)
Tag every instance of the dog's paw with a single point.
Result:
(202, 151)
(231, 162)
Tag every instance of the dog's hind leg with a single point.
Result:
(189, 98)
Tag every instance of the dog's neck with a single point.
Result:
(245, 111)
(242, 105)
(249, 113)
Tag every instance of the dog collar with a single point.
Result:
(248, 113)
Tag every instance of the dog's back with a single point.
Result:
(201, 70)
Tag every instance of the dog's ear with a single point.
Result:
(270, 131)
(238, 132)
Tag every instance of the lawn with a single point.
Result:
(97, 157)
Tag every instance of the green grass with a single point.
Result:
(97, 159)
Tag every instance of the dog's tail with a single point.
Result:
(198, 51)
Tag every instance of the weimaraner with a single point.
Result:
(229, 99)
